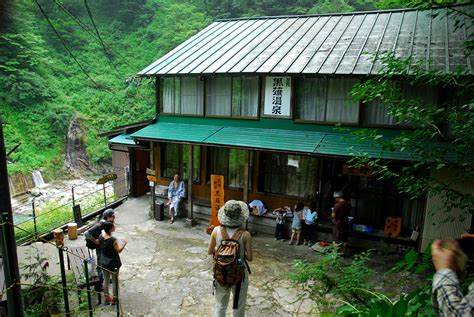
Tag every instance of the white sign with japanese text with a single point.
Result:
(277, 96)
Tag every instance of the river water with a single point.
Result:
(57, 192)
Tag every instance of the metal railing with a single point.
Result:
(63, 285)
(50, 216)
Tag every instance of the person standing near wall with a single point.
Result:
(340, 214)
(310, 222)
(176, 192)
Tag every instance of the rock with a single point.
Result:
(306, 307)
(35, 192)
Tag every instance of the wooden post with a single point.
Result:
(246, 182)
(152, 188)
(7, 239)
(190, 221)
(246, 176)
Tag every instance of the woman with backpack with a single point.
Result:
(231, 243)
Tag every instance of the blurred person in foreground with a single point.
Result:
(449, 260)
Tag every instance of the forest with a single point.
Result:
(75, 61)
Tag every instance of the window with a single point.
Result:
(174, 158)
(376, 112)
(232, 96)
(372, 199)
(230, 163)
(245, 96)
(327, 100)
(290, 175)
(183, 95)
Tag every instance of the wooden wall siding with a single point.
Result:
(143, 162)
(437, 225)
(202, 191)
(120, 159)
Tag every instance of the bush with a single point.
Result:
(336, 276)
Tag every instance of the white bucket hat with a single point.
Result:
(233, 213)
(338, 194)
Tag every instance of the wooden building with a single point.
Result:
(257, 100)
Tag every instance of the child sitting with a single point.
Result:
(280, 214)
(296, 224)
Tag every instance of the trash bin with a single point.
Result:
(159, 212)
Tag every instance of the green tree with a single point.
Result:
(441, 130)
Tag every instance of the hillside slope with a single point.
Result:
(70, 61)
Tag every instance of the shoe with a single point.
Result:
(276, 239)
(291, 242)
(108, 300)
(298, 243)
(306, 243)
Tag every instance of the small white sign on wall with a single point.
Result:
(277, 96)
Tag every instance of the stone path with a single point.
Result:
(167, 272)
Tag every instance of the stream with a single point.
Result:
(59, 192)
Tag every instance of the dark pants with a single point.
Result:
(280, 231)
(304, 231)
(311, 233)
(340, 232)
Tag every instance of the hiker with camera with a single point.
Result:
(449, 260)
(231, 247)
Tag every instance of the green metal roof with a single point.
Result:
(343, 44)
(266, 134)
(123, 139)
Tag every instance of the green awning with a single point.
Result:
(122, 139)
(261, 135)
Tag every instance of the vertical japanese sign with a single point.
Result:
(277, 96)
(217, 197)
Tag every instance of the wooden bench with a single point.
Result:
(76, 257)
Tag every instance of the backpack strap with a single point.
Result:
(235, 304)
(237, 234)
(224, 235)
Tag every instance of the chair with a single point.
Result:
(76, 257)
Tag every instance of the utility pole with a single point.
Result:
(9, 256)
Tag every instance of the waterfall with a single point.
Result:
(11, 186)
(37, 179)
(77, 161)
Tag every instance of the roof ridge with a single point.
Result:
(269, 17)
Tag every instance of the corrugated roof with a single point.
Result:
(322, 44)
(123, 139)
(285, 139)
